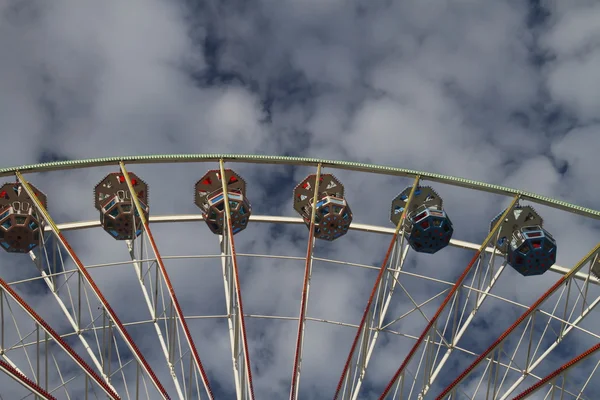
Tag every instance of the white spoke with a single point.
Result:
(61, 336)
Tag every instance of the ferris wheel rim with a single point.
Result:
(179, 218)
(299, 161)
(302, 161)
(277, 219)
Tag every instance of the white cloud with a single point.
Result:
(448, 88)
(574, 39)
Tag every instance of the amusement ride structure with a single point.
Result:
(93, 353)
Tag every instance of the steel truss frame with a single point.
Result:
(428, 335)
(240, 354)
(561, 373)
(576, 303)
(38, 359)
(445, 333)
(58, 270)
(373, 318)
(295, 386)
(174, 320)
(79, 312)
(107, 339)
(23, 380)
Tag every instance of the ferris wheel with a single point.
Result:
(130, 305)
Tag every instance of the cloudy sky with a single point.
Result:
(505, 92)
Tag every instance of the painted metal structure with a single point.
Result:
(95, 355)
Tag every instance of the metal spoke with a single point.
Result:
(235, 310)
(23, 380)
(456, 286)
(180, 318)
(305, 292)
(88, 279)
(353, 375)
(562, 370)
(529, 312)
(74, 346)
(8, 292)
